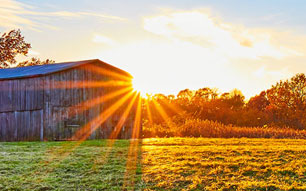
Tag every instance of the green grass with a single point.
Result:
(50, 166)
(155, 164)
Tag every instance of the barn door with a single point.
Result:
(67, 121)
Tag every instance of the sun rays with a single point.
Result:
(148, 109)
(163, 113)
(124, 99)
(131, 164)
(91, 84)
(118, 127)
(109, 73)
(122, 93)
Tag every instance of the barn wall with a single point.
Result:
(55, 106)
(21, 95)
(63, 109)
(66, 108)
(21, 110)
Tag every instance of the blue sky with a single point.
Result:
(171, 45)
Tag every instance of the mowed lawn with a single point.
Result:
(155, 164)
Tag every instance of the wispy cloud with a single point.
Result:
(98, 38)
(262, 72)
(10, 14)
(15, 14)
(103, 16)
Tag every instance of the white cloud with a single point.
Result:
(191, 49)
(227, 39)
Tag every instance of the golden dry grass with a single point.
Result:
(224, 164)
(212, 129)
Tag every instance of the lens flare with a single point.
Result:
(141, 87)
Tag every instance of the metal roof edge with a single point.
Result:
(74, 64)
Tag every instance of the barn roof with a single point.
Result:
(41, 70)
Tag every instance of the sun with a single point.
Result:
(141, 87)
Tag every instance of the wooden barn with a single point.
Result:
(66, 101)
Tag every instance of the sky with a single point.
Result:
(170, 45)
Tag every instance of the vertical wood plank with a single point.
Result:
(3, 134)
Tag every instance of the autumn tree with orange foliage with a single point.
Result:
(281, 106)
(13, 44)
(287, 102)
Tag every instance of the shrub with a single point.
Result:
(207, 128)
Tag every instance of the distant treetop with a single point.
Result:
(13, 44)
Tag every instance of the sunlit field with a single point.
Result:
(224, 164)
(160, 164)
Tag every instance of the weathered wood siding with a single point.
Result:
(55, 106)
(21, 110)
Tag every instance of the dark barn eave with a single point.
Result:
(42, 70)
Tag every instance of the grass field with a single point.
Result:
(155, 164)
(224, 164)
(93, 165)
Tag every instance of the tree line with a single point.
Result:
(283, 105)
